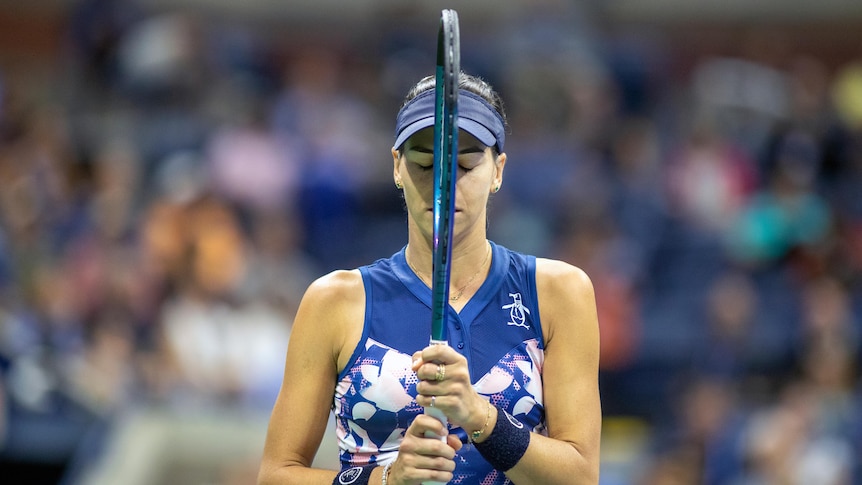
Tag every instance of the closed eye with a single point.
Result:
(422, 157)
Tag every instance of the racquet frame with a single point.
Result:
(445, 172)
(445, 168)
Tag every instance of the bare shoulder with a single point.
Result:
(337, 287)
(554, 276)
(566, 297)
(332, 310)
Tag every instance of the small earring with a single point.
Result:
(398, 185)
(496, 188)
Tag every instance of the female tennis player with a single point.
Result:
(518, 381)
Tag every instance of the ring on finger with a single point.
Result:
(433, 399)
(441, 372)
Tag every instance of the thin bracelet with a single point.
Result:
(478, 434)
(385, 473)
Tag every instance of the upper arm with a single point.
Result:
(327, 324)
(570, 374)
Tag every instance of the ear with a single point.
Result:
(396, 168)
(499, 166)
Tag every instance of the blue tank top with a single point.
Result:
(498, 331)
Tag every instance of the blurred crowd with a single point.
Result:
(171, 183)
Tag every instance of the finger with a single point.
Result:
(455, 442)
(437, 476)
(424, 424)
(428, 400)
(421, 452)
(439, 353)
(421, 460)
(437, 470)
(426, 389)
(432, 372)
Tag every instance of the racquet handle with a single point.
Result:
(434, 412)
(437, 414)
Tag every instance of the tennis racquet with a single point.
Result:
(445, 171)
(445, 168)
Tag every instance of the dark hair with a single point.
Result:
(467, 82)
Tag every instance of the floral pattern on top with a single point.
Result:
(375, 403)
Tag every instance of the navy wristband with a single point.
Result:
(357, 475)
(506, 444)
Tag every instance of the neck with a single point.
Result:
(469, 262)
(468, 245)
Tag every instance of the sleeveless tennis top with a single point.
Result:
(498, 331)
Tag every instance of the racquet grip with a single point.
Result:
(436, 413)
(439, 416)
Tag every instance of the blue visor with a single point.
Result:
(475, 116)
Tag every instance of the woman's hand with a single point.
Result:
(425, 459)
(444, 383)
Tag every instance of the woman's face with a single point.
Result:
(479, 173)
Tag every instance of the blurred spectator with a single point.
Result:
(159, 57)
(639, 202)
(95, 30)
(709, 179)
(745, 97)
(699, 446)
(116, 189)
(279, 269)
(784, 444)
(787, 215)
(731, 348)
(249, 167)
(216, 345)
(334, 131)
(827, 318)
